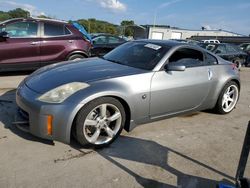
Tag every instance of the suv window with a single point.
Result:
(51, 29)
(187, 57)
(22, 29)
(210, 60)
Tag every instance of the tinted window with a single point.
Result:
(231, 48)
(113, 40)
(220, 49)
(187, 57)
(1, 28)
(51, 29)
(141, 55)
(210, 60)
(21, 29)
(208, 46)
(100, 40)
(248, 47)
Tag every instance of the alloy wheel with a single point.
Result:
(102, 124)
(230, 98)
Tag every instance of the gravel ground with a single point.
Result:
(197, 150)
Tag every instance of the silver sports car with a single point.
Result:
(140, 81)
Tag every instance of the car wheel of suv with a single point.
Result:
(100, 122)
(228, 98)
(76, 57)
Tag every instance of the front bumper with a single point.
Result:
(37, 112)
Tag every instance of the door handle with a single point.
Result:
(34, 43)
(210, 74)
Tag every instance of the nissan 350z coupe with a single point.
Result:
(140, 81)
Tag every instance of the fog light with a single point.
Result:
(49, 124)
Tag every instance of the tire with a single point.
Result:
(75, 57)
(228, 98)
(99, 128)
(238, 63)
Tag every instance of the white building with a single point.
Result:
(165, 33)
(172, 33)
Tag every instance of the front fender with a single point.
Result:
(94, 92)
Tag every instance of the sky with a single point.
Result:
(230, 15)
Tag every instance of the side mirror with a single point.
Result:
(4, 34)
(169, 67)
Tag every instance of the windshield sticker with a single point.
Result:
(153, 46)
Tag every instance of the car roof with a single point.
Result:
(34, 19)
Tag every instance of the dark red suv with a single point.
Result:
(31, 43)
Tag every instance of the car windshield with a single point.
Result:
(138, 54)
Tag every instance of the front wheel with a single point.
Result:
(228, 98)
(100, 122)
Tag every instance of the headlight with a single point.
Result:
(61, 93)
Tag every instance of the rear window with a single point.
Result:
(141, 55)
(51, 29)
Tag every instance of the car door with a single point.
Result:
(56, 42)
(174, 92)
(22, 47)
(99, 46)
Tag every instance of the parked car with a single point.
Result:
(246, 48)
(211, 41)
(104, 43)
(138, 82)
(31, 43)
(228, 52)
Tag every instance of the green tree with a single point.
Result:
(93, 25)
(43, 16)
(19, 13)
(4, 16)
(127, 31)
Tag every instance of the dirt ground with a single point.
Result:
(198, 150)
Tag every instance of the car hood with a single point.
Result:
(87, 70)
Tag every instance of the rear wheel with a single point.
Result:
(100, 122)
(228, 98)
(76, 57)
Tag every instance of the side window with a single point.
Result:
(22, 29)
(220, 50)
(230, 48)
(99, 40)
(2, 28)
(51, 30)
(113, 40)
(210, 47)
(210, 60)
(187, 57)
